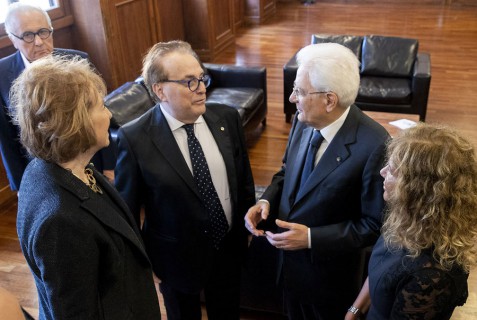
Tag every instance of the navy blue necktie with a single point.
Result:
(218, 222)
(309, 165)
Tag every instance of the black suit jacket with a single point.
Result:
(85, 253)
(342, 203)
(15, 157)
(152, 172)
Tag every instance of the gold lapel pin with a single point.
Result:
(222, 129)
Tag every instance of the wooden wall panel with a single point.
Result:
(209, 26)
(238, 12)
(223, 21)
(258, 11)
(116, 34)
(196, 24)
(90, 36)
(171, 20)
(135, 35)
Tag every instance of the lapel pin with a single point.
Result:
(338, 159)
(222, 129)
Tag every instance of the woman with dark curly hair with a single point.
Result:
(77, 234)
(420, 265)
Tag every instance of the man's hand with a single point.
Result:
(295, 238)
(256, 214)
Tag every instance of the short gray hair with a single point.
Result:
(18, 7)
(332, 67)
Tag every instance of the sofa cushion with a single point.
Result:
(385, 90)
(127, 103)
(245, 100)
(354, 43)
(388, 56)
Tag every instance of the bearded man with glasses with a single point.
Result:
(29, 29)
(186, 164)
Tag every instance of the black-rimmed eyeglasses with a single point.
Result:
(29, 36)
(194, 83)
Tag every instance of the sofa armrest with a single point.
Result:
(292, 64)
(422, 66)
(289, 75)
(224, 75)
(421, 82)
(127, 103)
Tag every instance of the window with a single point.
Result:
(45, 4)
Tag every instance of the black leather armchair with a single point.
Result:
(395, 77)
(239, 87)
(126, 103)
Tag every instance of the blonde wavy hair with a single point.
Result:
(434, 202)
(51, 101)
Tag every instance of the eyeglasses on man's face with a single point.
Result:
(194, 83)
(300, 93)
(29, 36)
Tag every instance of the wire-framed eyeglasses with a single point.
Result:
(29, 36)
(298, 92)
(194, 83)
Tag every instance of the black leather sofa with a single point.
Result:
(239, 87)
(395, 77)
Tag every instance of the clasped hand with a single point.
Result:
(295, 238)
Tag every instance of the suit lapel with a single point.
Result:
(17, 67)
(114, 195)
(162, 137)
(107, 215)
(221, 132)
(297, 169)
(336, 154)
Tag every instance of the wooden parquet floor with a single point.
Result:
(447, 32)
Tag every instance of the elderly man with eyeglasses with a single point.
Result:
(186, 164)
(29, 29)
(326, 200)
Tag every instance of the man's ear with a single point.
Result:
(157, 88)
(331, 101)
(12, 39)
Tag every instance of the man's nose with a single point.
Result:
(293, 98)
(38, 40)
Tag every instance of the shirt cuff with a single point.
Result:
(309, 238)
(264, 200)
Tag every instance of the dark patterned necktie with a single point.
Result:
(309, 165)
(218, 222)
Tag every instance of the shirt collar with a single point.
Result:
(25, 60)
(330, 131)
(175, 124)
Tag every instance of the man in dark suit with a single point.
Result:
(30, 30)
(157, 168)
(329, 207)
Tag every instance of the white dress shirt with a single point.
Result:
(212, 154)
